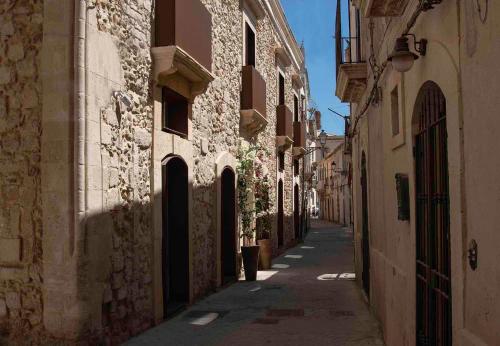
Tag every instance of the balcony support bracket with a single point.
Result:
(283, 142)
(252, 122)
(351, 82)
(176, 69)
(298, 151)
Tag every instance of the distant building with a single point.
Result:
(333, 187)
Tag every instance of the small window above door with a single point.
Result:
(175, 110)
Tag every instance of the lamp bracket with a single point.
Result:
(420, 46)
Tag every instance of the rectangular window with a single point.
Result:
(250, 46)
(395, 111)
(281, 161)
(295, 108)
(174, 112)
(281, 91)
(296, 167)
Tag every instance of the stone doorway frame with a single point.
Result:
(223, 161)
(164, 145)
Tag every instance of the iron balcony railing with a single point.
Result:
(186, 24)
(284, 126)
(253, 93)
(299, 134)
(347, 48)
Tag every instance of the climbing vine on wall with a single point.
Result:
(253, 192)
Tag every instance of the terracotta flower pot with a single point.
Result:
(250, 256)
(266, 252)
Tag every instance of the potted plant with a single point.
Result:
(262, 210)
(249, 250)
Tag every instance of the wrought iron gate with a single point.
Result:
(432, 219)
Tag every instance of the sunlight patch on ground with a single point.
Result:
(205, 319)
(264, 275)
(342, 276)
(347, 276)
(280, 266)
(255, 289)
(294, 256)
(326, 277)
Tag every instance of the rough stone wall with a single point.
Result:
(126, 136)
(215, 122)
(267, 40)
(216, 116)
(20, 203)
(114, 275)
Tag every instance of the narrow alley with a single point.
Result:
(309, 297)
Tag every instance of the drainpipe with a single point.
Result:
(80, 111)
(463, 197)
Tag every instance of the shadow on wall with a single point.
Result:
(122, 279)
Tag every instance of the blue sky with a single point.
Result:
(312, 21)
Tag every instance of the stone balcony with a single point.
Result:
(351, 82)
(284, 127)
(182, 56)
(299, 138)
(253, 102)
(381, 8)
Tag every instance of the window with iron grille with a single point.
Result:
(395, 111)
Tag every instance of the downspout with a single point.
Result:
(463, 199)
(80, 111)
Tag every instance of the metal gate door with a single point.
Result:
(432, 219)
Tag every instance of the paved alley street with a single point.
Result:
(307, 298)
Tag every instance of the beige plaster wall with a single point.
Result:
(479, 74)
(464, 69)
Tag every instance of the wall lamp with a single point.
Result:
(401, 57)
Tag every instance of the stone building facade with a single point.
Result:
(425, 166)
(335, 193)
(119, 122)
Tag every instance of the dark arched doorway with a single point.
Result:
(296, 211)
(280, 213)
(228, 226)
(175, 240)
(365, 243)
(433, 271)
